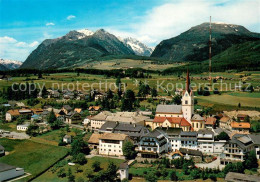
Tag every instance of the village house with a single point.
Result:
(242, 117)
(189, 140)
(112, 144)
(173, 137)
(124, 171)
(152, 145)
(8, 172)
(78, 110)
(14, 113)
(240, 127)
(224, 122)
(191, 153)
(210, 122)
(236, 149)
(66, 109)
(67, 139)
(205, 141)
(73, 118)
(93, 141)
(93, 109)
(134, 131)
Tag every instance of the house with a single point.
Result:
(153, 144)
(73, 118)
(189, 153)
(197, 122)
(86, 121)
(240, 127)
(93, 109)
(53, 94)
(224, 122)
(68, 95)
(35, 117)
(169, 111)
(93, 141)
(134, 131)
(124, 171)
(189, 140)
(205, 139)
(37, 111)
(11, 114)
(22, 127)
(256, 140)
(172, 122)
(97, 121)
(5, 77)
(67, 139)
(2, 151)
(66, 109)
(236, 148)
(112, 144)
(173, 137)
(241, 117)
(210, 122)
(98, 96)
(8, 172)
(236, 177)
(78, 110)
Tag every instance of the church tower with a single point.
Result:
(187, 100)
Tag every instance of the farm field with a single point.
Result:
(52, 176)
(33, 157)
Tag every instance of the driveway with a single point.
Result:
(215, 164)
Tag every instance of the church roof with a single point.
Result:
(171, 109)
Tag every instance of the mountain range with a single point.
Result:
(10, 64)
(79, 48)
(193, 45)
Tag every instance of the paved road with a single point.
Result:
(215, 164)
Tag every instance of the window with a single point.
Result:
(186, 102)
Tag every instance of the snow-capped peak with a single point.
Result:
(84, 33)
(138, 47)
(10, 64)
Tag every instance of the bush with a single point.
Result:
(96, 166)
(80, 158)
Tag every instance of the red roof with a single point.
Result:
(210, 121)
(175, 120)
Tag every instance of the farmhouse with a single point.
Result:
(93, 141)
(73, 118)
(112, 144)
(240, 127)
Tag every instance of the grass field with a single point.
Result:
(33, 157)
(50, 176)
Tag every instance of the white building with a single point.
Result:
(9, 172)
(153, 144)
(124, 171)
(112, 144)
(67, 139)
(189, 140)
(206, 141)
(23, 127)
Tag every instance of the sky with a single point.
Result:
(24, 24)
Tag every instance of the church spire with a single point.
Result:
(188, 81)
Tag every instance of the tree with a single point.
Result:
(78, 145)
(251, 88)
(32, 130)
(223, 136)
(176, 99)
(206, 91)
(51, 117)
(129, 150)
(111, 172)
(71, 177)
(250, 160)
(80, 158)
(128, 101)
(239, 105)
(118, 83)
(110, 94)
(154, 92)
(96, 166)
(215, 91)
(173, 176)
(61, 173)
(247, 119)
(80, 179)
(151, 177)
(185, 168)
(195, 174)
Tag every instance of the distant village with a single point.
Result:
(175, 131)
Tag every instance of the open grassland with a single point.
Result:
(52, 176)
(129, 63)
(33, 157)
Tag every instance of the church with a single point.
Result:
(179, 116)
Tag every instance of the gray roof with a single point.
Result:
(170, 131)
(190, 152)
(205, 131)
(67, 107)
(197, 117)
(108, 125)
(189, 133)
(255, 138)
(5, 167)
(154, 134)
(235, 177)
(169, 109)
(243, 141)
(123, 166)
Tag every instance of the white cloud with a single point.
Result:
(12, 49)
(50, 24)
(172, 18)
(70, 17)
